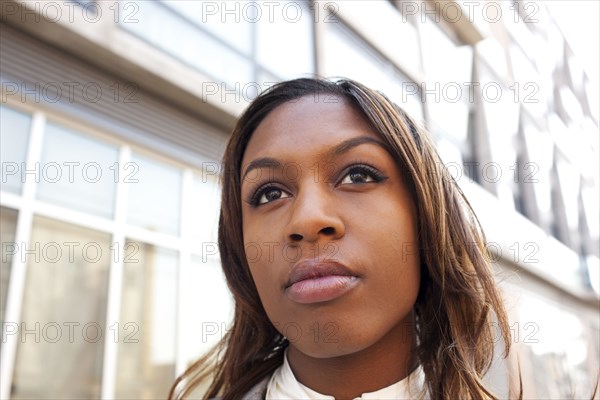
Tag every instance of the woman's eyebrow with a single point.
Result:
(263, 162)
(348, 144)
(339, 149)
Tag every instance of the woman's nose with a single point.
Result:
(315, 215)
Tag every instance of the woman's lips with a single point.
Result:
(313, 281)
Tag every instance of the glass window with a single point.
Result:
(202, 328)
(265, 80)
(8, 221)
(516, 19)
(451, 157)
(588, 150)
(527, 87)
(569, 141)
(447, 118)
(592, 92)
(556, 45)
(230, 21)
(576, 73)
(14, 126)
(570, 108)
(537, 172)
(501, 121)
(557, 348)
(284, 42)
(155, 195)
(387, 28)
(442, 58)
(592, 264)
(205, 212)
(407, 94)
(347, 56)
(590, 202)
(146, 354)
(501, 114)
(447, 68)
(492, 53)
(179, 37)
(59, 354)
(569, 188)
(78, 172)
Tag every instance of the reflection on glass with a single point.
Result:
(556, 45)
(451, 157)
(447, 96)
(590, 200)
(568, 180)
(592, 93)
(181, 38)
(14, 126)
(502, 119)
(204, 214)
(576, 73)
(571, 108)
(516, 27)
(556, 346)
(264, 80)
(8, 221)
(345, 55)
(146, 354)
(589, 149)
(155, 196)
(540, 150)
(383, 21)
(593, 273)
(284, 41)
(439, 53)
(535, 173)
(59, 354)
(204, 326)
(501, 114)
(492, 52)
(527, 87)
(231, 21)
(78, 172)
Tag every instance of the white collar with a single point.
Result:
(284, 385)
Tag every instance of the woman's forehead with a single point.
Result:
(311, 122)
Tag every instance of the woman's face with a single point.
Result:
(329, 229)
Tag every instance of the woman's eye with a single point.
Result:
(359, 175)
(271, 194)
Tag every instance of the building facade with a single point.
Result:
(111, 284)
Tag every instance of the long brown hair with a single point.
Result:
(458, 306)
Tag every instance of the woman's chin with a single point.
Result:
(326, 350)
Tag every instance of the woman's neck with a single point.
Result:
(385, 362)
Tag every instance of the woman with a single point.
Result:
(358, 268)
